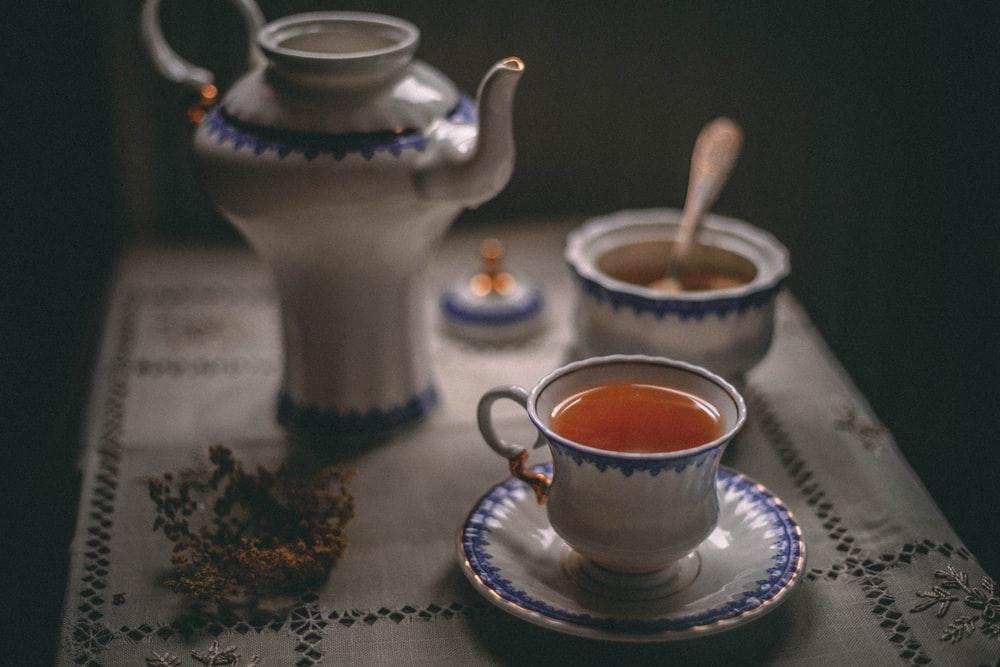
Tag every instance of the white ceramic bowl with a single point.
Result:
(726, 330)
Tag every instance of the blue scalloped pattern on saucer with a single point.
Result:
(310, 418)
(506, 312)
(787, 553)
(628, 466)
(681, 308)
(225, 128)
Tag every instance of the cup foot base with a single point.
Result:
(616, 585)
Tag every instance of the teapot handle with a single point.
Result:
(174, 68)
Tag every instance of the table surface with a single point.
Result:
(191, 357)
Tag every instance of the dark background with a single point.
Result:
(871, 152)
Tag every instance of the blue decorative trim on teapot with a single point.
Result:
(311, 418)
(464, 112)
(785, 544)
(226, 128)
(681, 308)
(627, 466)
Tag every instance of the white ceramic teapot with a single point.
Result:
(342, 160)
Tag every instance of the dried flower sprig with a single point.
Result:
(257, 533)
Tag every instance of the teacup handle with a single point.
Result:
(516, 455)
(174, 68)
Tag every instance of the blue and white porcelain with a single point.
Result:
(627, 513)
(492, 318)
(747, 566)
(725, 330)
(492, 306)
(342, 160)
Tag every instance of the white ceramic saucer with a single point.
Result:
(748, 566)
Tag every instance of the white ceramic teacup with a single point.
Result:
(625, 513)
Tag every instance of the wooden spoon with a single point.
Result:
(715, 152)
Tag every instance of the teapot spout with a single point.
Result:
(475, 179)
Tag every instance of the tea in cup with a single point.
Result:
(635, 443)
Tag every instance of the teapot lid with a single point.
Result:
(341, 72)
(492, 307)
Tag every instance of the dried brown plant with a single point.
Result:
(239, 534)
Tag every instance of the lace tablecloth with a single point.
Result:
(191, 358)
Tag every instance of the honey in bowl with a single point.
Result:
(709, 268)
(696, 281)
(636, 417)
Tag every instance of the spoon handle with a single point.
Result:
(715, 152)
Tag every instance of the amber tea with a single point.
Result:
(636, 417)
